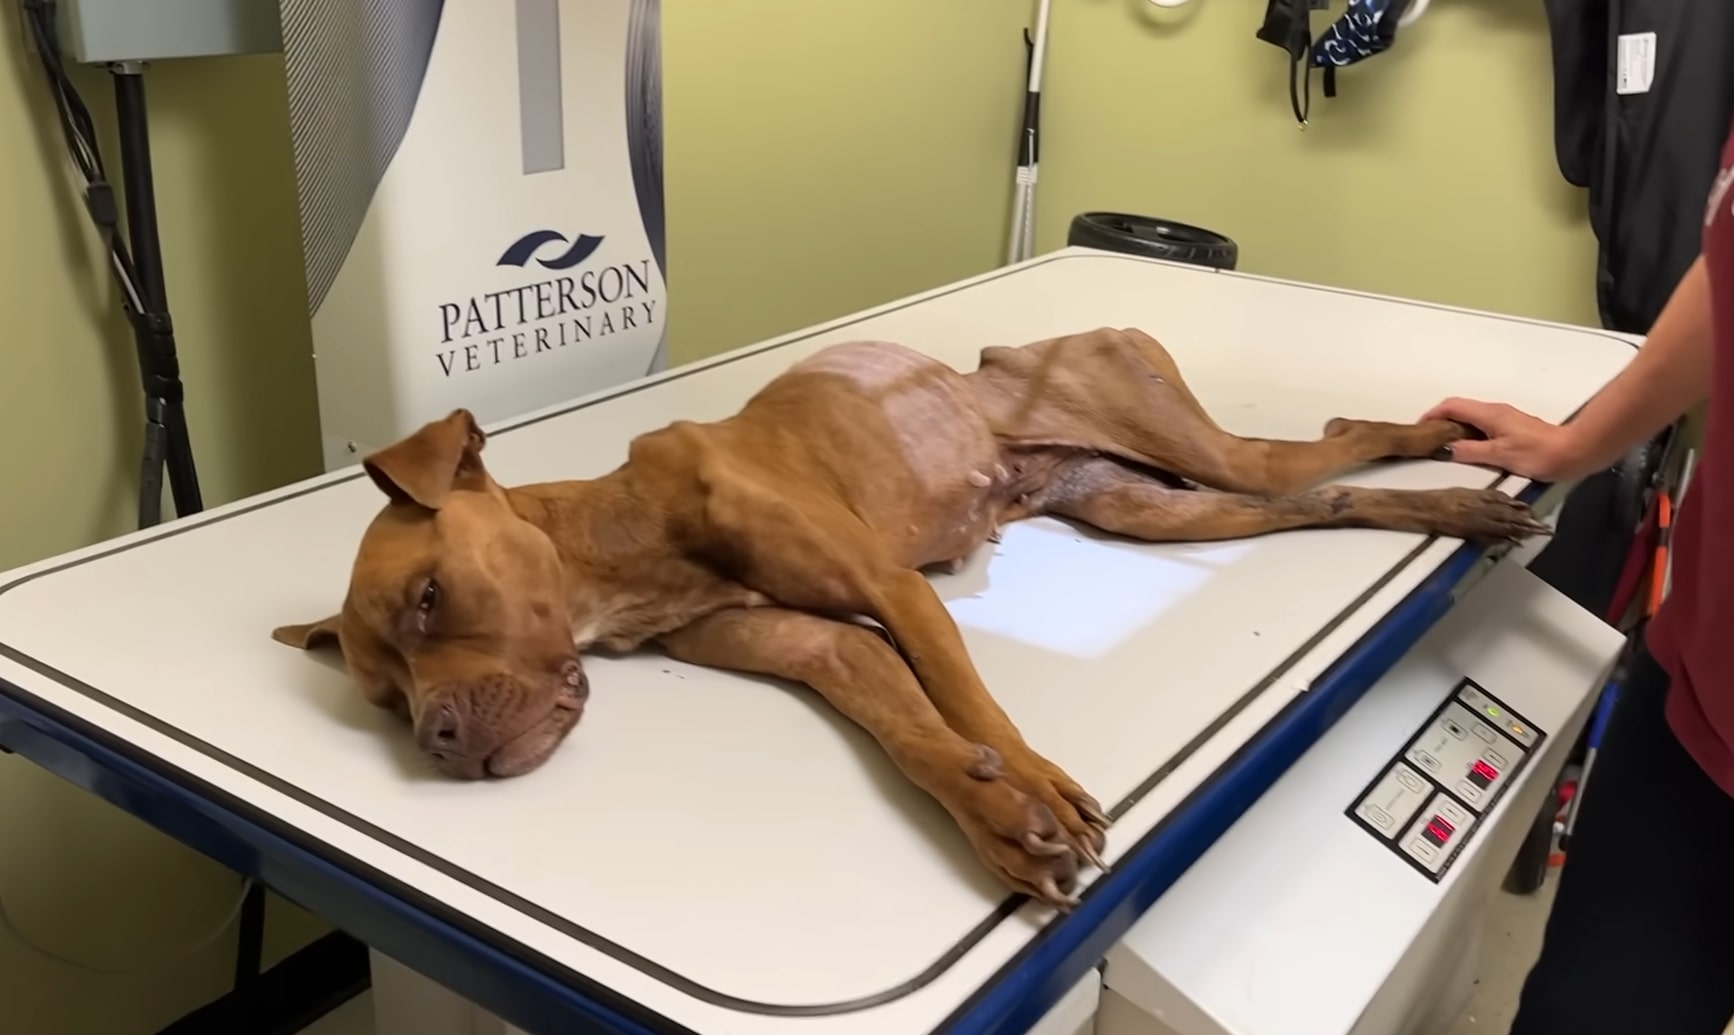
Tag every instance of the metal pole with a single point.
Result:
(1023, 235)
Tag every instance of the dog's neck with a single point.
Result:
(591, 523)
(625, 580)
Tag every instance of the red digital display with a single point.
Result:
(1483, 769)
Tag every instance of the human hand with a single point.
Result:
(1518, 442)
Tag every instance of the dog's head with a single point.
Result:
(456, 614)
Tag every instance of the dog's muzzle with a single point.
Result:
(500, 725)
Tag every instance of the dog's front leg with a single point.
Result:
(817, 555)
(910, 609)
(864, 678)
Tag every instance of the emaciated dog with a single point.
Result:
(759, 544)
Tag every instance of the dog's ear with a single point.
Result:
(425, 467)
(311, 636)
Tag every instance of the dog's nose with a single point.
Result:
(441, 728)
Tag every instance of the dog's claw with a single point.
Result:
(1052, 894)
(1091, 856)
(1092, 813)
(1036, 845)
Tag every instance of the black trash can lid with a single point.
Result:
(1154, 238)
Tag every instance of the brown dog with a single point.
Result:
(751, 544)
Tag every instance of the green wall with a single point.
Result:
(821, 158)
(1431, 175)
(83, 879)
(825, 157)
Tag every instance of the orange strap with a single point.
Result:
(1659, 569)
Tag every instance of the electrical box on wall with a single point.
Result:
(100, 31)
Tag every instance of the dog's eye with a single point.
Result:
(430, 598)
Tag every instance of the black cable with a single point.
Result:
(80, 132)
(74, 116)
(167, 447)
(39, 17)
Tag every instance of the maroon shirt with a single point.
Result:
(1692, 636)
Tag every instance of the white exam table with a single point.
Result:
(720, 855)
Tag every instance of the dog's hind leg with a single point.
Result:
(1118, 498)
(860, 675)
(1120, 392)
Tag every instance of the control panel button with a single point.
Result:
(1430, 800)
(1453, 812)
(1393, 801)
(1453, 752)
(1428, 762)
(1437, 831)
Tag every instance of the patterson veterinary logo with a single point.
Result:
(547, 314)
(526, 247)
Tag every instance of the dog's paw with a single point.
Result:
(1486, 515)
(1017, 835)
(1402, 441)
(1080, 814)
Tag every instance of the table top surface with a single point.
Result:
(725, 850)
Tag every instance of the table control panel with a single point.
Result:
(1427, 802)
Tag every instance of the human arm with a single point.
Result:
(1669, 375)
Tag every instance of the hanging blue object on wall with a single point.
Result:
(1367, 28)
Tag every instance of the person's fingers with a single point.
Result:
(1478, 451)
(1466, 411)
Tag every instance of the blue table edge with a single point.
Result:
(1052, 963)
(1011, 1002)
